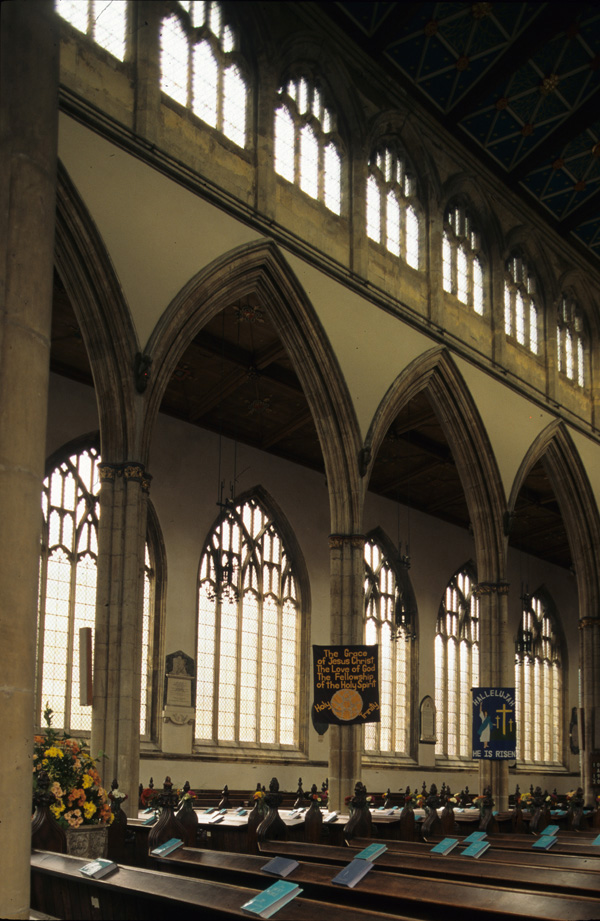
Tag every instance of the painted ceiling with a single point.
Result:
(517, 83)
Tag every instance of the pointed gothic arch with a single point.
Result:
(555, 448)
(261, 268)
(436, 374)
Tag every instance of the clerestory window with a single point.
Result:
(306, 145)
(200, 67)
(462, 271)
(67, 593)
(392, 218)
(389, 622)
(104, 21)
(571, 341)
(456, 664)
(249, 628)
(538, 685)
(520, 309)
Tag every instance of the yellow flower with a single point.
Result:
(87, 781)
(88, 810)
(54, 752)
(57, 809)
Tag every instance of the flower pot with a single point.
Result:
(87, 841)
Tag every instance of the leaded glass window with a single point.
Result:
(456, 664)
(104, 21)
(248, 632)
(462, 270)
(392, 218)
(538, 685)
(520, 309)
(388, 592)
(571, 341)
(200, 67)
(306, 144)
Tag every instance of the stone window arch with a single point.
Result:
(456, 664)
(307, 145)
(200, 67)
(462, 266)
(521, 313)
(67, 590)
(393, 214)
(538, 683)
(249, 632)
(104, 22)
(572, 341)
(390, 613)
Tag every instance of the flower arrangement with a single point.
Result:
(148, 797)
(259, 794)
(80, 798)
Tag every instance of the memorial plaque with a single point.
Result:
(427, 733)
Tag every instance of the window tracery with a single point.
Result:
(538, 685)
(306, 146)
(571, 341)
(456, 664)
(392, 218)
(462, 270)
(248, 633)
(199, 67)
(384, 593)
(104, 21)
(520, 308)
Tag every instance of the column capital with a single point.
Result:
(131, 471)
(356, 541)
(491, 588)
(589, 622)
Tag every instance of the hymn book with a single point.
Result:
(163, 849)
(353, 873)
(475, 836)
(371, 852)
(476, 849)
(272, 899)
(280, 866)
(445, 846)
(98, 868)
(545, 842)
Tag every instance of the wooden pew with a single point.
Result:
(133, 894)
(315, 874)
(419, 897)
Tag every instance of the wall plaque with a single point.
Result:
(427, 721)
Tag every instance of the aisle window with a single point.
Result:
(392, 217)
(390, 614)
(248, 633)
(67, 592)
(538, 685)
(462, 270)
(456, 664)
(306, 144)
(104, 21)
(201, 69)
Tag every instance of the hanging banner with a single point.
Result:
(494, 724)
(346, 684)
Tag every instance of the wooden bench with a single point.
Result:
(134, 894)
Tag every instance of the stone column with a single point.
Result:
(589, 733)
(119, 610)
(494, 671)
(347, 553)
(29, 55)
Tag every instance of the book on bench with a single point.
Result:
(545, 842)
(272, 899)
(551, 830)
(476, 849)
(475, 836)
(445, 846)
(596, 840)
(371, 852)
(98, 868)
(332, 817)
(163, 849)
(280, 866)
(353, 873)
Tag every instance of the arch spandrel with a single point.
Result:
(436, 374)
(260, 268)
(578, 506)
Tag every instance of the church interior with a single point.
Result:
(298, 349)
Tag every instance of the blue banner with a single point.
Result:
(494, 724)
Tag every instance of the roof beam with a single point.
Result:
(587, 210)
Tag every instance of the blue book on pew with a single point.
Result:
(476, 849)
(371, 852)
(545, 842)
(353, 873)
(150, 820)
(444, 846)
(280, 866)
(551, 830)
(475, 836)
(98, 868)
(163, 849)
(596, 841)
(272, 899)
